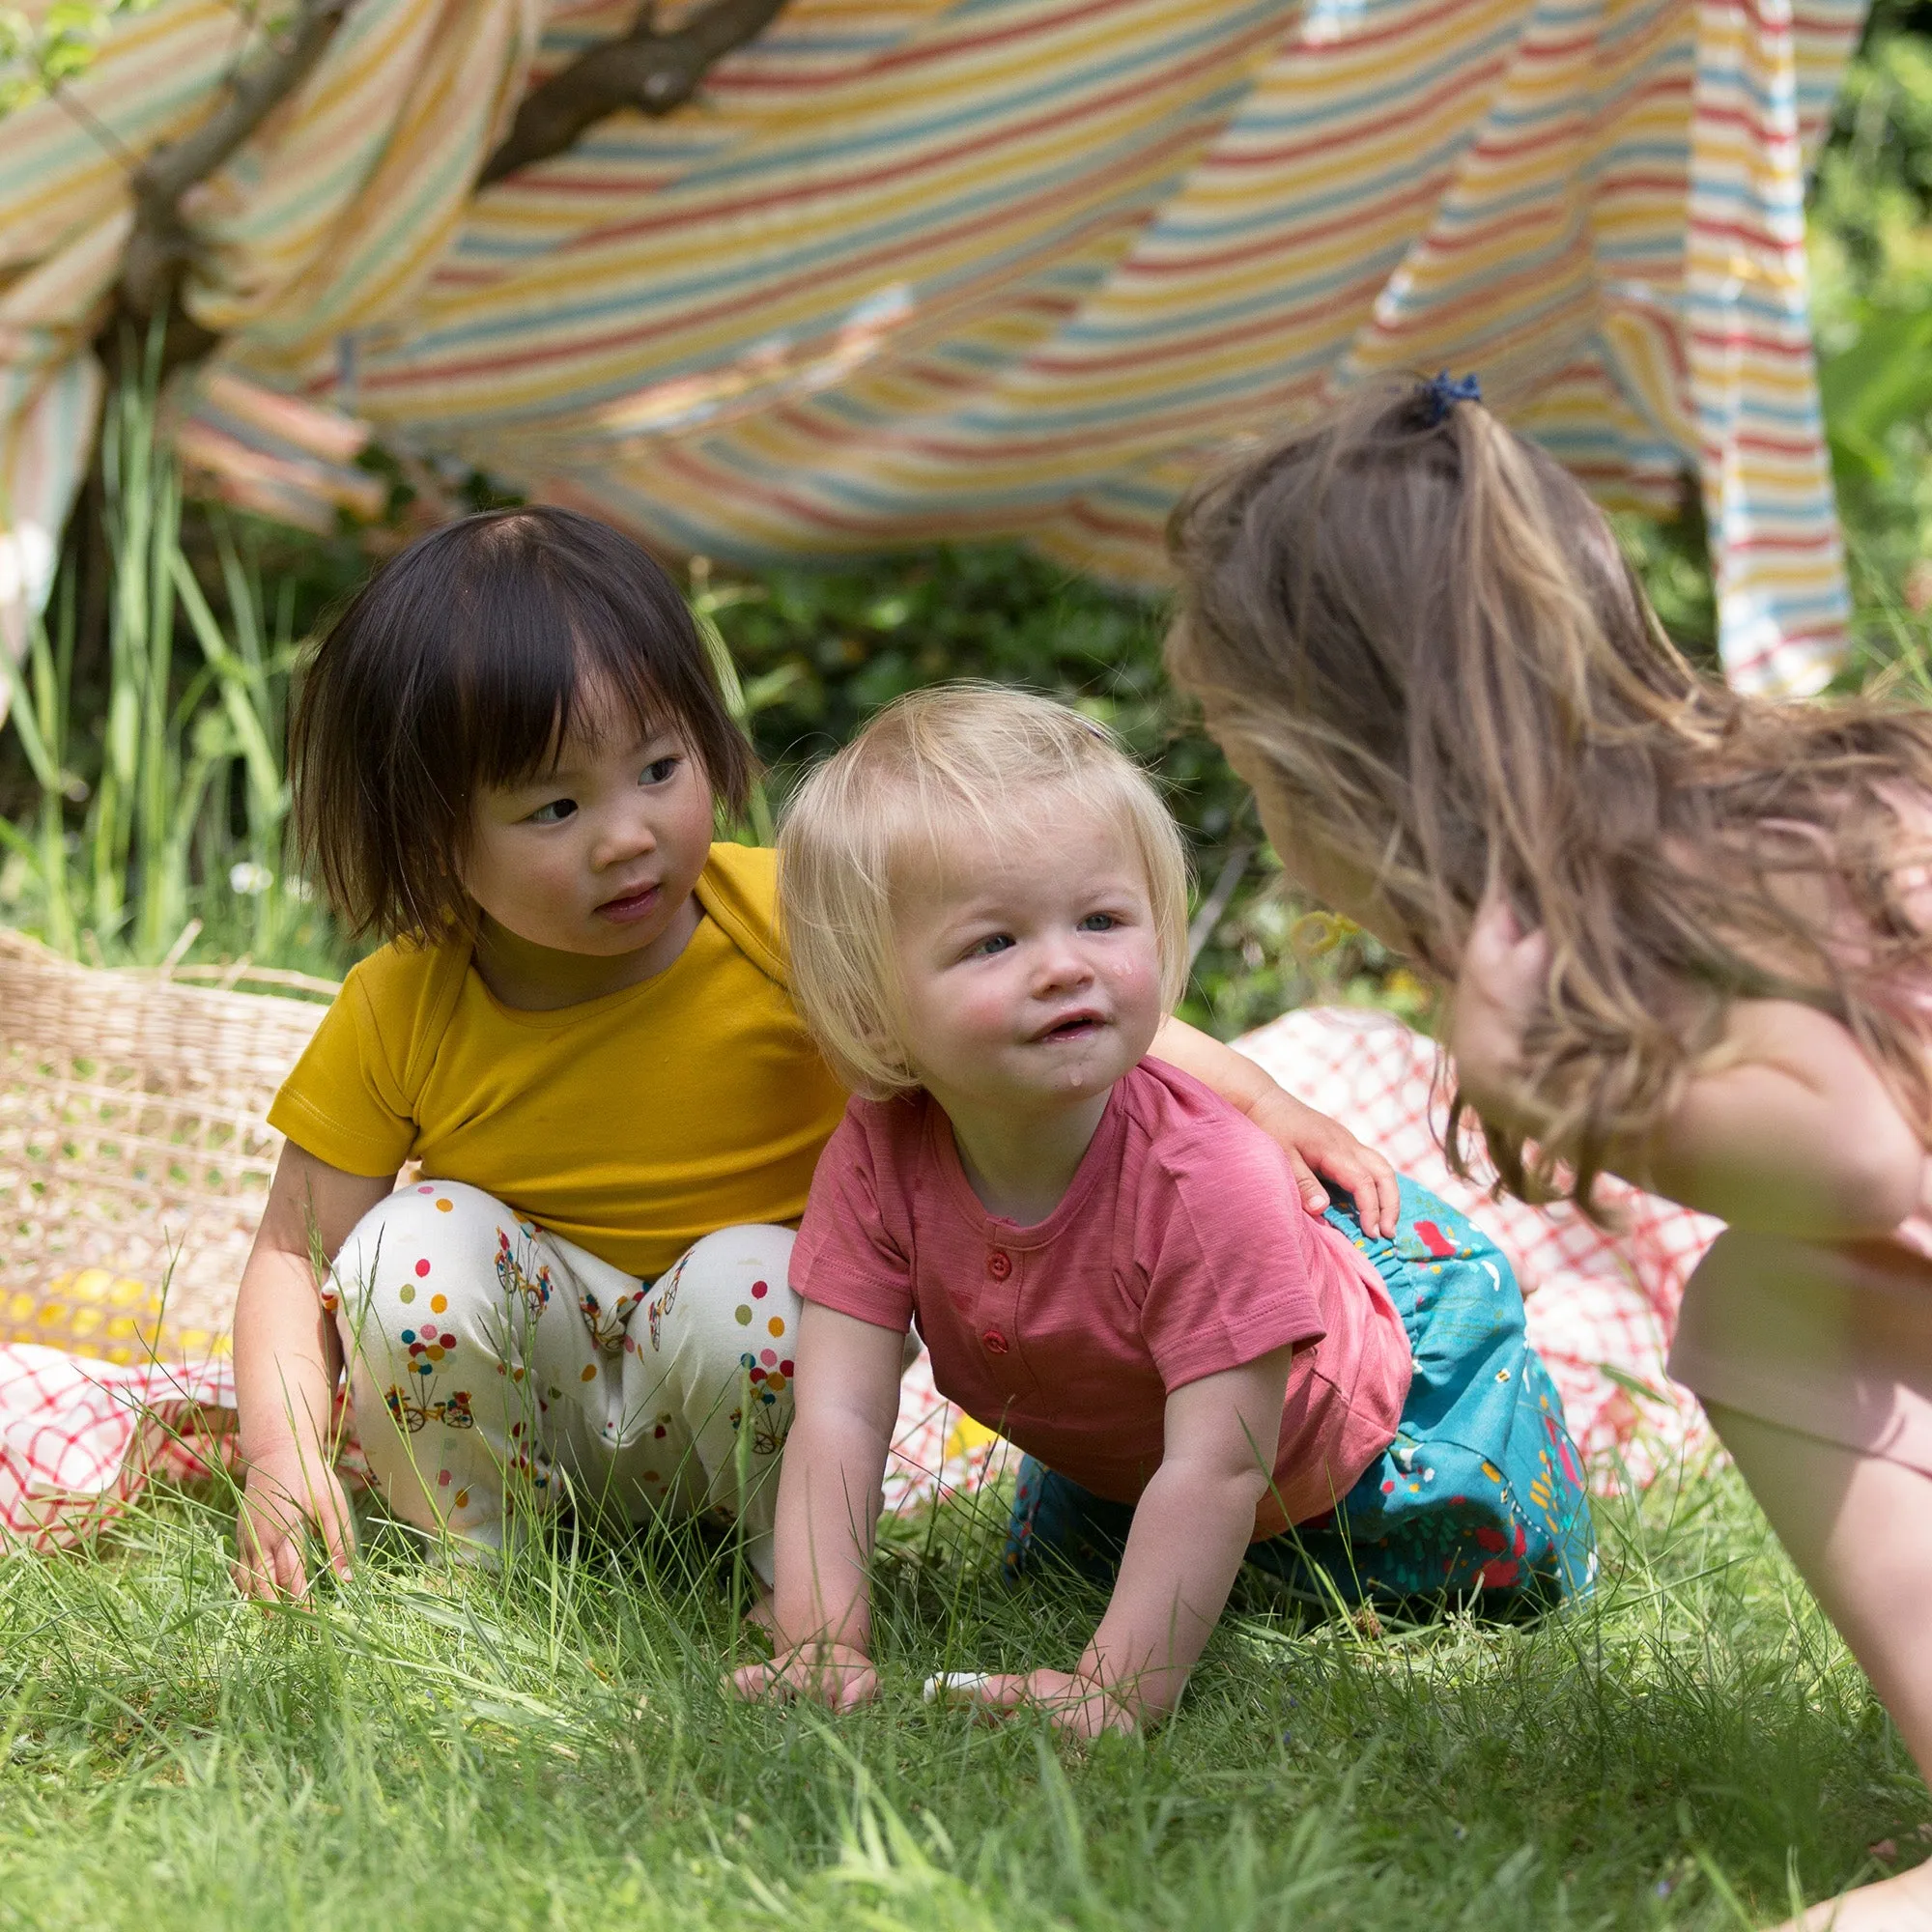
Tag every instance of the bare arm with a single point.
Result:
(1315, 1144)
(287, 1363)
(830, 1494)
(1191, 1531)
(1790, 1131)
(1796, 1135)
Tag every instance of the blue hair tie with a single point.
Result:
(1445, 391)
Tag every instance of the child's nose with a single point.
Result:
(625, 833)
(1063, 963)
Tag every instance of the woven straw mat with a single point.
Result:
(135, 1152)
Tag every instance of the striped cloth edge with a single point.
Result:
(950, 269)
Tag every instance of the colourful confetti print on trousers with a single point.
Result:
(1478, 1500)
(518, 1371)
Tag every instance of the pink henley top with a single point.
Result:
(1181, 1250)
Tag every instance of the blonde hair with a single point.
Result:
(979, 757)
(1427, 635)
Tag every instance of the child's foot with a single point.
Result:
(1899, 1904)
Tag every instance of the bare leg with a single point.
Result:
(1860, 1530)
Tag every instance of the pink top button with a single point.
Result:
(996, 1343)
(999, 1265)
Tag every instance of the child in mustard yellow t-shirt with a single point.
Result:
(509, 754)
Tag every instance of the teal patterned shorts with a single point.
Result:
(1479, 1501)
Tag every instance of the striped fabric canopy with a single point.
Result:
(917, 270)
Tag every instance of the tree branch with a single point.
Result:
(162, 244)
(651, 72)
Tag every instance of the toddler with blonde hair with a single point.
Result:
(985, 906)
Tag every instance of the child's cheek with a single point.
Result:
(1135, 978)
(556, 882)
(986, 1017)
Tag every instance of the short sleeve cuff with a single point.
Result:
(884, 1304)
(1231, 1346)
(329, 1141)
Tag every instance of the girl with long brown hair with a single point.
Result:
(1683, 935)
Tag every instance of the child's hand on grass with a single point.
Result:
(288, 1499)
(1083, 1707)
(1190, 1531)
(833, 1674)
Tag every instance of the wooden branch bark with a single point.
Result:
(162, 245)
(651, 72)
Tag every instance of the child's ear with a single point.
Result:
(887, 1051)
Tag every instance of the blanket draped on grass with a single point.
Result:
(921, 269)
(133, 1145)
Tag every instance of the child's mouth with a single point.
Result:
(630, 907)
(1075, 1026)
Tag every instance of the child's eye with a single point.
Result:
(984, 949)
(1098, 921)
(555, 813)
(660, 769)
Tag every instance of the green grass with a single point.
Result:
(551, 1746)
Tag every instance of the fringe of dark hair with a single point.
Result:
(465, 661)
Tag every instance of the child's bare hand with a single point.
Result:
(1504, 974)
(833, 1674)
(1318, 1146)
(286, 1500)
(1503, 965)
(1083, 1707)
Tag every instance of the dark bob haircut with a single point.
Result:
(465, 661)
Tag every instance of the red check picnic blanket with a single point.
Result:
(80, 1438)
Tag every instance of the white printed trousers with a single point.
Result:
(495, 1368)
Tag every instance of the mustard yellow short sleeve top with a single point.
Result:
(630, 1124)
